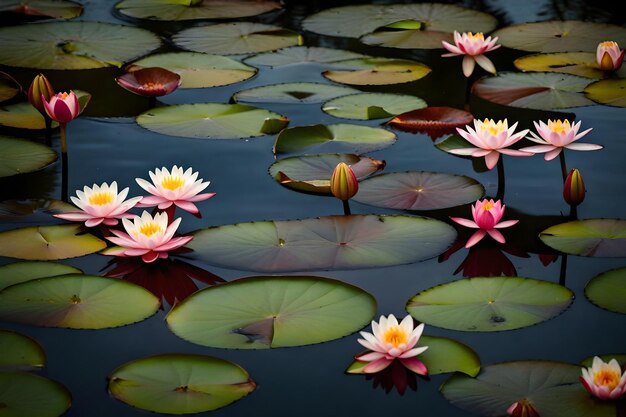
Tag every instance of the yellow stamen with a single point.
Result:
(395, 336)
(152, 86)
(477, 35)
(100, 199)
(64, 95)
(559, 126)
(609, 44)
(172, 183)
(148, 229)
(492, 127)
(488, 206)
(607, 377)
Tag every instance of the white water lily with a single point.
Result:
(472, 46)
(557, 135)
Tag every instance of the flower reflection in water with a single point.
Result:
(394, 376)
(486, 260)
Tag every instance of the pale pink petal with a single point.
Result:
(200, 197)
(367, 345)
(187, 206)
(370, 356)
(377, 365)
(415, 365)
(465, 222)
(480, 153)
(583, 147)
(475, 238)
(93, 222)
(491, 159)
(175, 243)
(485, 63)
(514, 152)
(463, 151)
(496, 235)
(74, 216)
(413, 352)
(549, 156)
(507, 223)
(537, 148)
(452, 48)
(468, 65)
(150, 201)
(135, 252)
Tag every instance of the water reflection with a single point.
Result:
(395, 376)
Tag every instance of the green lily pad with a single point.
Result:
(443, 355)
(57, 9)
(179, 384)
(8, 87)
(608, 290)
(489, 304)
(534, 90)
(200, 70)
(271, 312)
(302, 55)
(292, 93)
(33, 211)
(559, 36)
(591, 237)
(331, 242)
(212, 121)
(77, 302)
(18, 156)
(236, 38)
(46, 243)
(311, 173)
(194, 9)
(20, 352)
(18, 272)
(22, 116)
(552, 388)
(73, 45)
(355, 21)
(25, 394)
(418, 190)
(333, 138)
(377, 71)
(368, 106)
(611, 92)
(620, 358)
(582, 64)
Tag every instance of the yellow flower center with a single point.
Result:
(64, 95)
(476, 36)
(172, 183)
(492, 127)
(100, 199)
(152, 86)
(148, 229)
(609, 44)
(488, 206)
(607, 377)
(559, 126)
(395, 336)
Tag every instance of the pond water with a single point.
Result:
(106, 144)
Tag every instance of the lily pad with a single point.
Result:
(33, 211)
(270, 312)
(200, 70)
(212, 121)
(611, 92)
(20, 352)
(377, 71)
(292, 93)
(433, 121)
(57, 9)
(576, 63)
(77, 302)
(45, 243)
(333, 138)
(302, 55)
(443, 355)
(180, 384)
(73, 45)
(552, 388)
(559, 36)
(331, 242)
(418, 190)
(236, 38)
(608, 290)
(22, 116)
(25, 394)
(311, 173)
(194, 9)
(534, 90)
(591, 237)
(368, 106)
(489, 304)
(8, 87)
(18, 156)
(18, 272)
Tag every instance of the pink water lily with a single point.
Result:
(604, 380)
(557, 135)
(609, 56)
(149, 237)
(150, 82)
(490, 140)
(62, 107)
(391, 341)
(100, 204)
(487, 215)
(472, 46)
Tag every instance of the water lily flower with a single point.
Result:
(176, 187)
(149, 237)
(490, 140)
(150, 82)
(522, 408)
(555, 136)
(40, 88)
(62, 107)
(100, 204)
(391, 341)
(343, 182)
(487, 215)
(574, 188)
(609, 56)
(604, 380)
(472, 46)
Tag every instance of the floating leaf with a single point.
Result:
(302, 55)
(34, 211)
(22, 116)
(559, 36)
(333, 138)
(77, 302)
(576, 63)
(58, 9)
(43, 243)
(180, 384)
(25, 394)
(535, 90)
(418, 190)
(271, 312)
(18, 272)
(608, 290)
(20, 352)
(212, 121)
(488, 304)
(8, 87)
(552, 388)
(332, 242)
(73, 45)
(311, 173)
(368, 106)
(236, 38)
(194, 9)
(611, 92)
(292, 93)
(377, 71)
(591, 237)
(200, 70)
(18, 156)
(433, 121)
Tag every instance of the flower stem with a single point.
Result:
(346, 207)
(64, 165)
(563, 165)
(48, 122)
(562, 273)
(153, 102)
(573, 212)
(63, 138)
(501, 180)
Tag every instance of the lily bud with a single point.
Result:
(574, 188)
(609, 56)
(40, 87)
(522, 408)
(343, 183)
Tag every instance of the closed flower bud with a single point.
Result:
(40, 87)
(343, 183)
(574, 188)
(609, 56)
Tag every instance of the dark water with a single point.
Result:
(310, 380)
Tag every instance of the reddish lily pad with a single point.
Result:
(18, 272)
(368, 106)
(149, 81)
(433, 121)
(576, 63)
(58, 9)
(20, 352)
(292, 93)
(377, 71)
(590, 237)
(611, 92)
(177, 10)
(302, 55)
(608, 290)
(26, 394)
(18, 156)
